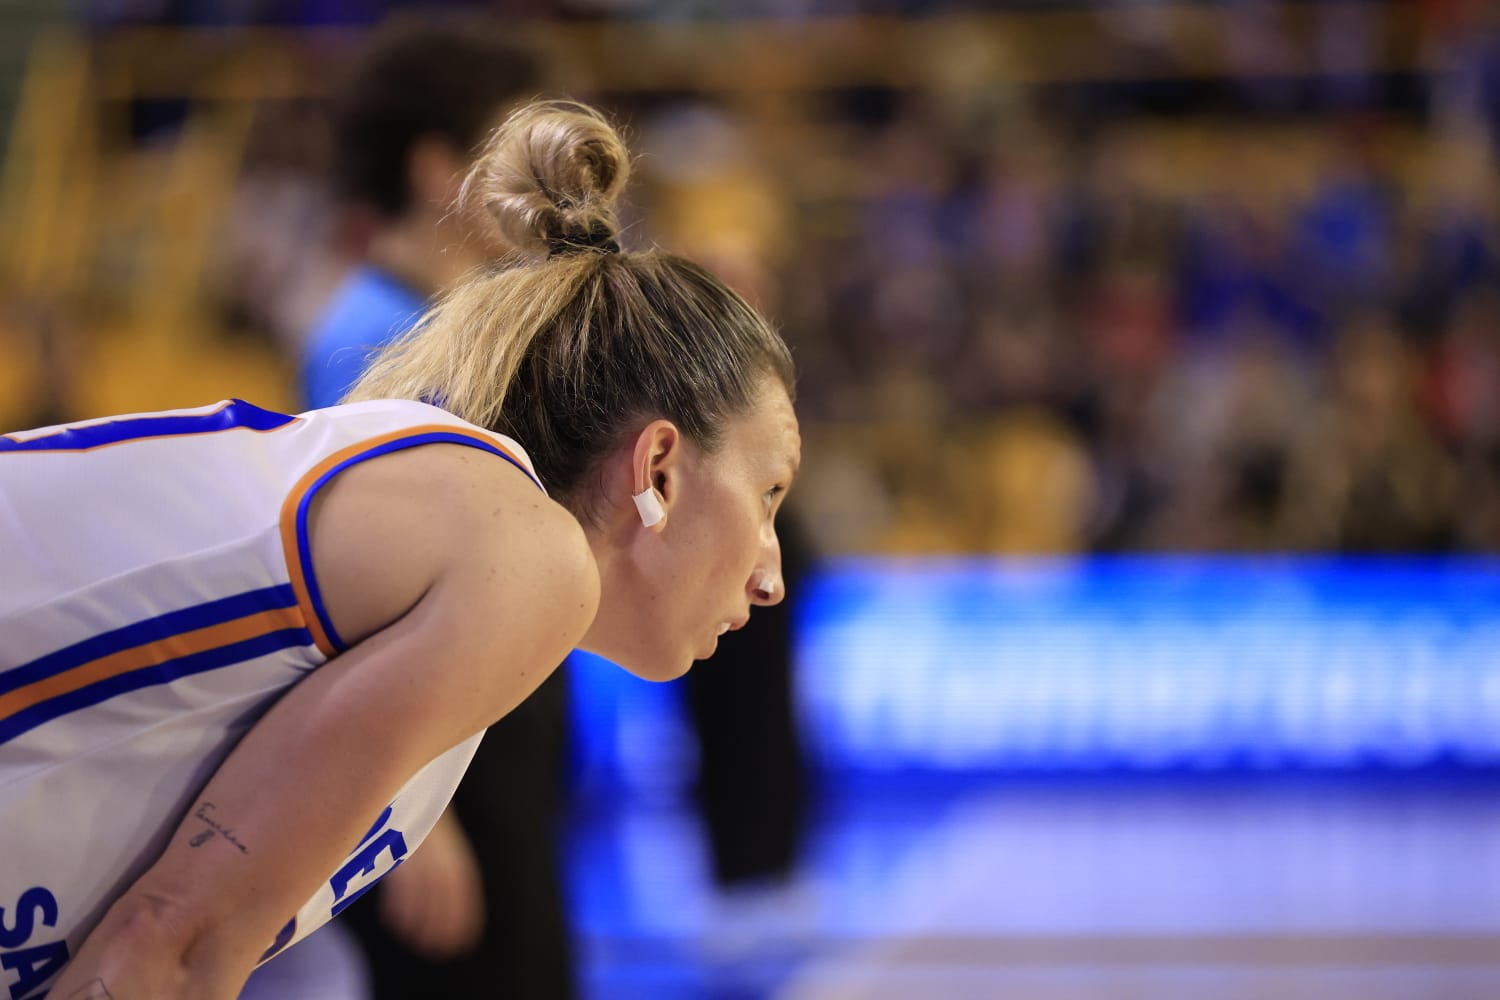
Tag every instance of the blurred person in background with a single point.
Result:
(406, 126)
(480, 911)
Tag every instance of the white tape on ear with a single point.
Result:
(649, 507)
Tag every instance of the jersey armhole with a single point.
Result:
(294, 511)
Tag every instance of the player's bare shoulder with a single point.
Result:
(516, 545)
(389, 531)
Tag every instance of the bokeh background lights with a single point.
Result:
(1145, 663)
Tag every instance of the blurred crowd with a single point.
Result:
(1258, 311)
(1030, 321)
(1043, 341)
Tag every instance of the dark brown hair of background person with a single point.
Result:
(445, 79)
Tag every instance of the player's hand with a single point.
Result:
(434, 901)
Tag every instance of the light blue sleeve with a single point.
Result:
(369, 309)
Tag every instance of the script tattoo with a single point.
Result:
(93, 991)
(205, 809)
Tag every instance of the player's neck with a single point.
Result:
(428, 255)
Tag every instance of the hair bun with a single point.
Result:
(549, 177)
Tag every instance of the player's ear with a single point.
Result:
(654, 467)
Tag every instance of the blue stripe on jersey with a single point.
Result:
(160, 673)
(237, 414)
(305, 551)
(149, 630)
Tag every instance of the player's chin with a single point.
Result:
(671, 673)
(662, 668)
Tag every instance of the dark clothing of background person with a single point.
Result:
(751, 783)
(510, 805)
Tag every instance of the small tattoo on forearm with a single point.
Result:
(205, 808)
(93, 991)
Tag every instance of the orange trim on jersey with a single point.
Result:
(149, 655)
(292, 550)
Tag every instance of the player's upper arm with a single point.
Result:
(512, 590)
(456, 556)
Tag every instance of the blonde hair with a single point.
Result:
(574, 343)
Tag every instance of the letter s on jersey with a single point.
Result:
(36, 964)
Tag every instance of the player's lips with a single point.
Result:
(732, 626)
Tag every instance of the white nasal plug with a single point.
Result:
(767, 584)
(649, 507)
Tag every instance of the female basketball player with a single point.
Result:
(244, 656)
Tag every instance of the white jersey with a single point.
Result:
(156, 597)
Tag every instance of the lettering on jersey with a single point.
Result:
(363, 863)
(357, 873)
(32, 965)
(283, 938)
